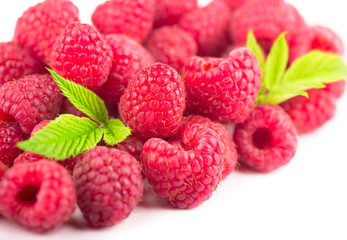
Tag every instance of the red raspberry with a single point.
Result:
(230, 155)
(234, 4)
(267, 139)
(310, 113)
(108, 184)
(131, 145)
(223, 89)
(16, 62)
(27, 157)
(209, 26)
(324, 39)
(171, 45)
(81, 55)
(168, 12)
(40, 195)
(268, 19)
(153, 103)
(188, 170)
(31, 100)
(133, 18)
(10, 135)
(128, 58)
(40, 25)
(3, 169)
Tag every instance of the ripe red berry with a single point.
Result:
(267, 139)
(39, 196)
(188, 169)
(268, 19)
(81, 55)
(311, 113)
(128, 58)
(10, 135)
(108, 184)
(230, 154)
(16, 62)
(171, 45)
(40, 25)
(31, 100)
(133, 18)
(168, 12)
(131, 145)
(209, 26)
(153, 102)
(223, 89)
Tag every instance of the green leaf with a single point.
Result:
(317, 66)
(63, 137)
(115, 132)
(83, 99)
(253, 45)
(276, 63)
(313, 70)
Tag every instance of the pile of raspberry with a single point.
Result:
(178, 75)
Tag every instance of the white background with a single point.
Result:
(304, 200)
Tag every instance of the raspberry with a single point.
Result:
(131, 145)
(108, 184)
(234, 4)
(267, 139)
(310, 113)
(133, 18)
(27, 157)
(268, 19)
(81, 55)
(223, 89)
(128, 58)
(39, 196)
(230, 155)
(10, 135)
(323, 39)
(168, 12)
(16, 62)
(172, 46)
(3, 169)
(40, 25)
(153, 103)
(30, 100)
(187, 170)
(209, 26)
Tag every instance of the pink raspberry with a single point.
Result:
(27, 157)
(171, 45)
(3, 169)
(16, 62)
(153, 103)
(323, 39)
(209, 26)
(230, 155)
(81, 55)
(10, 135)
(30, 100)
(133, 18)
(108, 184)
(39, 196)
(187, 170)
(168, 12)
(128, 58)
(268, 19)
(39, 26)
(267, 139)
(311, 113)
(223, 89)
